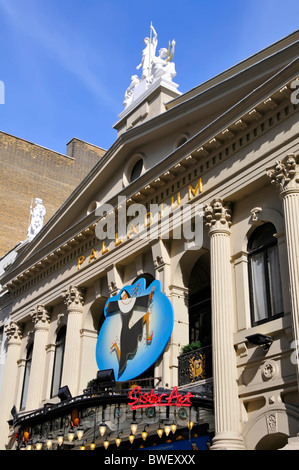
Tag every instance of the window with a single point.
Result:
(264, 275)
(58, 361)
(26, 377)
(136, 170)
(200, 302)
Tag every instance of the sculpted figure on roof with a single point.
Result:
(153, 67)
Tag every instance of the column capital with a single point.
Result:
(74, 297)
(218, 216)
(40, 316)
(13, 332)
(285, 174)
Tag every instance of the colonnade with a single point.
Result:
(218, 219)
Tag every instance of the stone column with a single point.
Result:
(8, 395)
(285, 176)
(227, 420)
(41, 319)
(74, 300)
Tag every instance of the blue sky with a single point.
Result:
(66, 64)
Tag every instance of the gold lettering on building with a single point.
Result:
(175, 203)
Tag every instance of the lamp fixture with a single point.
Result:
(144, 434)
(82, 447)
(102, 429)
(134, 427)
(106, 443)
(160, 431)
(39, 445)
(60, 438)
(29, 445)
(190, 425)
(80, 432)
(173, 427)
(118, 441)
(71, 435)
(49, 441)
(131, 438)
(167, 428)
(259, 339)
(92, 446)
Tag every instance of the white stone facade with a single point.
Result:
(240, 140)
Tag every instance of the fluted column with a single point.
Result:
(227, 421)
(74, 300)
(285, 176)
(41, 319)
(14, 336)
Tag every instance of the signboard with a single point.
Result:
(137, 327)
(140, 399)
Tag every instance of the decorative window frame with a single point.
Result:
(130, 165)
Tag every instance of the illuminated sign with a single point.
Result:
(137, 327)
(146, 400)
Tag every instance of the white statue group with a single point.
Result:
(37, 218)
(153, 67)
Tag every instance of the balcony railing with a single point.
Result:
(195, 366)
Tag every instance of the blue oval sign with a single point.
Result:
(137, 327)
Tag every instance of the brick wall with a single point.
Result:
(27, 171)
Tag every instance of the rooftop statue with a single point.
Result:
(148, 55)
(37, 218)
(153, 67)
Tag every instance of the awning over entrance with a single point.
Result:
(129, 419)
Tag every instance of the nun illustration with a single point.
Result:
(135, 312)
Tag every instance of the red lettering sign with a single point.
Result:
(147, 400)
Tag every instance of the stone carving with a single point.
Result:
(13, 331)
(74, 297)
(271, 423)
(129, 95)
(254, 213)
(285, 174)
(37, 218)
(153, 67)
(269, 370)
(148, 54)
(40, 316)
(218, 215)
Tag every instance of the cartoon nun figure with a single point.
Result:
(131, 332)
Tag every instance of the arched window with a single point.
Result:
(264, 275)
(26, 376)
(58, 361)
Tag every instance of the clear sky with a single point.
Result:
(66, 64)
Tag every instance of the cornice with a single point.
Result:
(201, 148)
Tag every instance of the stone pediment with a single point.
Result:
(74, 222)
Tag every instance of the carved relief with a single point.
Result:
(218, 215)
(285, 174)
(74, 297)
(254, 213)
(269, 370)
(40, 316)
(13, 331)
(271, 419)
